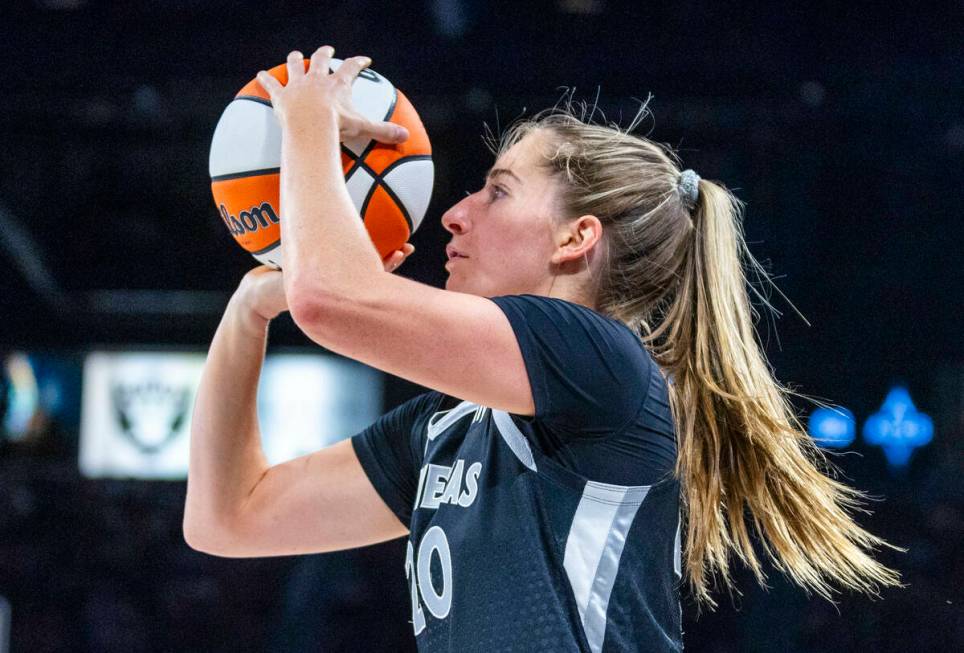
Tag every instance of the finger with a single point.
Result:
(393, 260)
(296, 65)
(268, 82)
(407, 250)
(386, 132)
(321, 60)
(351, 67)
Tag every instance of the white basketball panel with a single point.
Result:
(411, 181)
(271, 257)
(358, 186)
(248, 137)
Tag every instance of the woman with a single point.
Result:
(542, 479)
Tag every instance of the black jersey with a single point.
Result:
(555, 532)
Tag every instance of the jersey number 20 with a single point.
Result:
(419, 574)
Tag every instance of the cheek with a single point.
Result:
(521, 253)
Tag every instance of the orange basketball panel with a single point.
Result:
(383, 155)
(346, 163)
(404, 114)
(385, 223)
(249, 209)
(254, 88)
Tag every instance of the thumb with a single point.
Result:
(388, 132)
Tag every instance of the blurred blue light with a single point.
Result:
(832, 427)
(22, 396)
(898, 427)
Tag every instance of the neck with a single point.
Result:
(570, 287)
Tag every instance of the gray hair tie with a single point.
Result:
(689, 188)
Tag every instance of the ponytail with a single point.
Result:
(743, 455)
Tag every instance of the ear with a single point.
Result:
(575, 239)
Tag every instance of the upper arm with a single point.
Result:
(353, 493)
(458, 344)
(319, 502)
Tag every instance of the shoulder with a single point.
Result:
(589, 373)
(423, 406)
(549, 316)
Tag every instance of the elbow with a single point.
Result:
(308, 305)
(214, 544)
(197, 538)
(194, 539)
(319, 313)
(210, 538)
(306, 312)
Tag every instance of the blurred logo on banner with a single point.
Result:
(136, 409)
(152, 413)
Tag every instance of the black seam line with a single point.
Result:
(354, 162)
(369, 170)
(379, 180)
(249, 173)
(254, 98)
(362, 165)
(399, 204)
(404, 159)
(360, 159)
(267, 249)
(368, 198)
(358, 164)
(391, 108)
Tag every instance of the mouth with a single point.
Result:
(454, 253)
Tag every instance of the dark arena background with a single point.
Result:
(841, 125)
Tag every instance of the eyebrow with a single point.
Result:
(496, 172)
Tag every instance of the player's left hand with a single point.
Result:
(311, 97)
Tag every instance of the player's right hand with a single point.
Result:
(262, 292)
(262, 289)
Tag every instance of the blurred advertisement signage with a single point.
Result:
(136, 409)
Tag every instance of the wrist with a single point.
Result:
(323, 119)
(244, 315)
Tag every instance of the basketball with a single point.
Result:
(389, 184)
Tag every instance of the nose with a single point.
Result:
(455, 220)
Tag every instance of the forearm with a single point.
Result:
(327, 251)
(226, 458)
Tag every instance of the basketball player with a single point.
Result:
(542, 479)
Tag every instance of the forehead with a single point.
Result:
(525, 156)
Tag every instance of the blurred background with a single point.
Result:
(841, 125)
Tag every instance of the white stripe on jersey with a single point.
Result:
(513, 437)
(595, 544)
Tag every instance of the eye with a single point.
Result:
(495, 192)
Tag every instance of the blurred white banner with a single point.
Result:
(136, 409)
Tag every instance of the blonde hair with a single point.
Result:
(677, 277)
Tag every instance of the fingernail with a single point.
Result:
(366, 61)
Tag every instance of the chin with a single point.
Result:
(459, 285)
